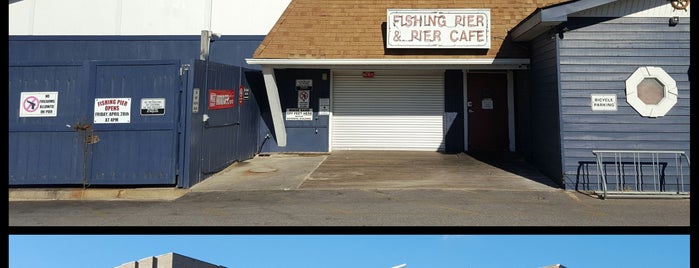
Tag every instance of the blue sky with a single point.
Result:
(365, 251)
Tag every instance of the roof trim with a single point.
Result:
(486, 63)
(546, 18)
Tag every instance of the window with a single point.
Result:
(651, 91)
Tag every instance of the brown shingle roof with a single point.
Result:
(344, 29)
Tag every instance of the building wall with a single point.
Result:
(230, 50)
(597, 55)
(542, 142)
(453, 111)
(302, 136)
(523, 118)
(169, 260)
(133, 17)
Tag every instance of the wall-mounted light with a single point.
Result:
(206, 38)
(674, 21)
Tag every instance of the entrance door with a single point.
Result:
(487, 112)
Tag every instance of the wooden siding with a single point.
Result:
(596, 57)
(540, 128)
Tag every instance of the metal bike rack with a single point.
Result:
(642, 174)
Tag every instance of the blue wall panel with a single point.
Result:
(46, 150)
(68, 64)
(302, 136)
(597, 55)
(453, 111)
(53, 151)
(539, 128)
(229, 135)
(231, 50)
(144, 150)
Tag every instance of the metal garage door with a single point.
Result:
(390, 111)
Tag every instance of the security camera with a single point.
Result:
(217, 35)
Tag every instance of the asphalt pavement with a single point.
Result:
(348, 189)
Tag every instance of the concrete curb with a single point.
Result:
(138, 194)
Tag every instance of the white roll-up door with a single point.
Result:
(397, 111)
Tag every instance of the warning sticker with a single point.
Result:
(155, 106)
(38, 104)
(112, 110)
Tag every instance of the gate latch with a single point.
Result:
(90, 136)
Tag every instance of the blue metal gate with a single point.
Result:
(94, 123)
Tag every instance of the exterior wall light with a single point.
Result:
(674, 21)
(651, 91)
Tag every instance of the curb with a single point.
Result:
(137, 194)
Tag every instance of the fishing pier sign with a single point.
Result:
(438, 28)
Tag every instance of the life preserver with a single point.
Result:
(680, 4)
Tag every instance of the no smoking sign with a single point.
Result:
(304, 98)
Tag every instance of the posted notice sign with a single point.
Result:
(153, 106)
(438, 28)
(299, 114)
(603, 102)
(221, 99)
(112, 110)
(38, 104)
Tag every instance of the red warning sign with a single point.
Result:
(240, 95)
(221, 99)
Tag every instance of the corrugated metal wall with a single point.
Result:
(46, 150)
(128, 148)
(596, 57)
(231, 50)
(216, 138)
(162, 149)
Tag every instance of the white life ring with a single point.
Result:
(680, 4)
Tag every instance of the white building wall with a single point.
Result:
(138, 17)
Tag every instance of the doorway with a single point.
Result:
(487, 112)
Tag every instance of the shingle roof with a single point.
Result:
(345, 29)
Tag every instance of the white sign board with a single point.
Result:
(323, 106)
(195, 100)
(603, 102)
(299, 114)
(38, 104)
(304, 99)
(304, 84)
(112, 110)
(438, 28)
(153, 106)
(487, 104)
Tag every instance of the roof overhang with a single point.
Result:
(473, 63)
(544, 19)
